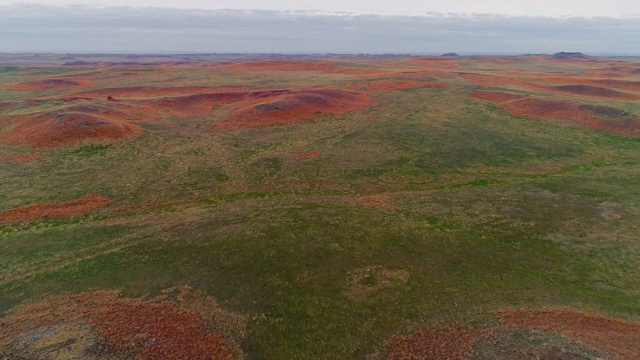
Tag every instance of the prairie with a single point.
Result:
(319, 207)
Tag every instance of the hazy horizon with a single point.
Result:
(314, 27)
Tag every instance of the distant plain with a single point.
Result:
(319, 207)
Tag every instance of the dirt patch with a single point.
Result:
(290, 107)
(610, 211)
(388, 85)
(364, 282)
(20, 158)
(616, 338)
(41, 211)
(182, 323)
(496, 96)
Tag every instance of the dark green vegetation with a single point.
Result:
(430, 206)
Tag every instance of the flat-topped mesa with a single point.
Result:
(451, 54)
(563, 55)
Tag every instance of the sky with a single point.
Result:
(321, 26)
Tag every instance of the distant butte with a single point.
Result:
(450, 54)
(568, 55)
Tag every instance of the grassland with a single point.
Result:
(333, 231)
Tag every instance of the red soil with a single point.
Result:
(40, 211)
(454, 343)
(291, 107)
(618, 338)
(496, 96)
(305, 155)
(395, 85)
(19, 158)
(74, 124)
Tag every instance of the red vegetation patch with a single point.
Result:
(290, 107)
(141, 92)
(453, 343)
(618, 338)
(305, 155)
(494, 80)
(592, 91)
(548, 109)
(19, 158)
(35, 212)
(151, 330)
(291, 65)
(70, 125)
(496, 96)
(198, 104)
(102, 325)
(49, 84)
(396, 85)
(298, 65)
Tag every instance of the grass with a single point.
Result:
(482, 210)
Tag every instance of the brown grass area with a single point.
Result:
(20, 158)
(496, 96)
(618, 338)
(378, 201)
(197, 104)
(367, 281)
(387, 85)
(495, 80)
(297, 65)
(291, 107)
(594, 91)
(305, 155)
(438, 63)
(452, 343)
(40, 211)
(180, 324)
(50, 84)
(145, 92)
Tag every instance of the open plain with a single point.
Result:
(319, 207)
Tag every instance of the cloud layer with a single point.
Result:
(37, 28)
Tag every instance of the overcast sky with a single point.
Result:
(314, 26)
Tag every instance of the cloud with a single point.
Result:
(37, 28)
